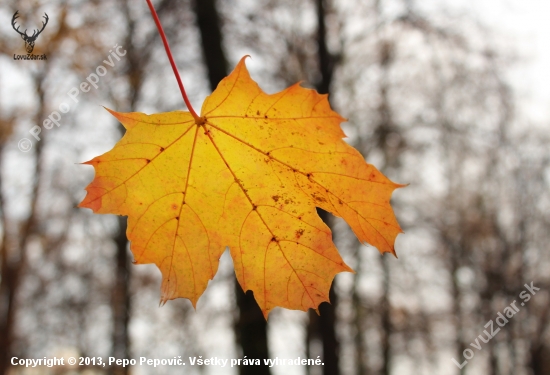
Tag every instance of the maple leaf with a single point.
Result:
(248, 175)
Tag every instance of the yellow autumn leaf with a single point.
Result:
(248, 175)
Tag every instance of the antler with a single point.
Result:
(35, 34)
(15, 16)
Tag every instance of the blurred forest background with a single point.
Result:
(429, 103)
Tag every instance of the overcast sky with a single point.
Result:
(525, 23)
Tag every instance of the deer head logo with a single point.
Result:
(29, 40)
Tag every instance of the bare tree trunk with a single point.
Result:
(251, 332)
(323, 326)
(540, 360)
(359, 322)
(8, 287)
(385, 312)
(121, 299)
(540, 352)
(136, 64)
(454, 264)
(208, 22)
(326, 60)
(251, 327)
(13, 265)
(9, 283)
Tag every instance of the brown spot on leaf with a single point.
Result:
(318, 198)
(275, 198)
(299, 233)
